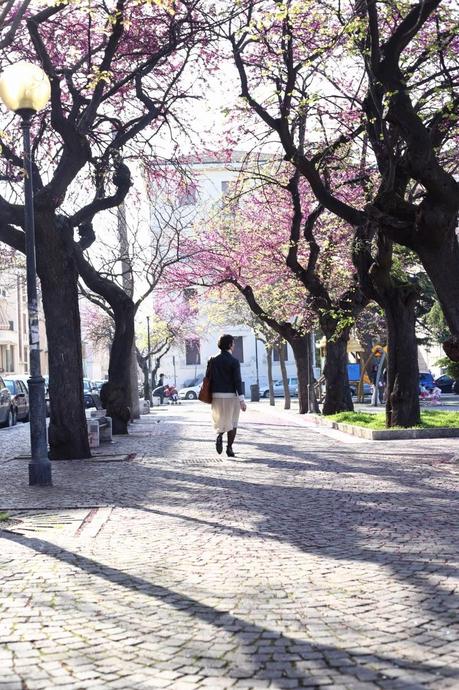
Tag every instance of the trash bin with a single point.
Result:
(255, 392)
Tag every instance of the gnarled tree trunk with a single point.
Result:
(300, 345)
(115, 395)
(337, 390)
(68, 435)
(283, 368)
(402, 407)
(269, 361)
(119, 368)
(143, 364)
(134, 385)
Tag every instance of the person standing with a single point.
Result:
(159, 390)
(227, 396)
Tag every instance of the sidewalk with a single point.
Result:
(307, 561)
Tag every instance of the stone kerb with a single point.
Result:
(385, 434)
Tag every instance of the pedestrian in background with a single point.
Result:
(227, 396)
(159, 390)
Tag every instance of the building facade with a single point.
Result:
(14, 326)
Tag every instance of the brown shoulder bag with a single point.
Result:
(205, 394)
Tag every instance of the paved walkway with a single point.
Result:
(310, 560)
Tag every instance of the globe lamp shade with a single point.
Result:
(24, 86)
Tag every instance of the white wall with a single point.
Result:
(208, 348)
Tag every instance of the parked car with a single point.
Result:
(427, 380)
(445, 383)
(190, 392)
(19, 398)
(367, 389)
(92, 400)
(191, 388)
(7, 416)
(97, 385)
(278, 388)
(89, 386)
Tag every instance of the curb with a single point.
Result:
(385, 434)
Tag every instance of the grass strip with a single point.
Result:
(430, 419)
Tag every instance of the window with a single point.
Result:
(22, 387)
(225, 186)
(277, 351)
(188, 194)
(238, 351)
(192, 351)
(10, 359)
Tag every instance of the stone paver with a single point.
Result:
(309, 561)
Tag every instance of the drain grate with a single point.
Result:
(150, 434)
(197, 461)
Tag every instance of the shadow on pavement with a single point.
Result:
(351, 664)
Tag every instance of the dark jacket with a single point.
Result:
(225, 374)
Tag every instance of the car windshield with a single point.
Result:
(10, 386)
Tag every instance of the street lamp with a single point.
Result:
(25, 89)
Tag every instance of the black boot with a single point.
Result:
(219, 444)
(229, 448)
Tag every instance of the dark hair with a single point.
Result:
(225, 342)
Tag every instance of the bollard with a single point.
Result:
(105, 431)
(93, 433)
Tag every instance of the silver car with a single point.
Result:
(7, 415)
(278, 388)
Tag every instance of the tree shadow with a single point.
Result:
(385, 528)
(262, 651)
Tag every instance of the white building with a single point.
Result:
(14, 330)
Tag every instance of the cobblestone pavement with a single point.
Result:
(310, 560)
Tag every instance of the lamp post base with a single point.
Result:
(40, 473)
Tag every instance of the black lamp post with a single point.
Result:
(25, 89)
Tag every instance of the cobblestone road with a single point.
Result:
(310, 560)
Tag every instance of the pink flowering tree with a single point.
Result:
(370, 87)
(116, 71)
(239, 251)
(289, 256)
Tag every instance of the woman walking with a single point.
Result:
(227, 396)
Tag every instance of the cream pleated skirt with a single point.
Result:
(225, 411)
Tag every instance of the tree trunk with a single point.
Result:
(143, 364)
(402, 407)
(283, 368)
(337, 390)
(114, 395)
(441, 263)
(67, 433)
(313, 404)
(134, 385)
(269, 360)
(119, 369)
(154, 372)
(300, 347)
